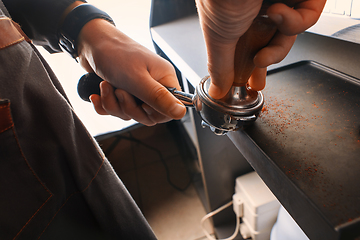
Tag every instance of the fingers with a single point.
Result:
(291, 19)
(108, 103)
(294, 20)
(118, 103)
(220, 86)
(275, 51)
(129, 107)
(257, 80)
(121, 104)
(158, 98)
(151, 85)
(221, 70)
(154, 115)
(96, 101)
(222, 23)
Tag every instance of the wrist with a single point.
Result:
(93, 41)
(76, 18)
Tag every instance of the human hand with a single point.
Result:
(133, 70)
(224, 21)
(291, 18)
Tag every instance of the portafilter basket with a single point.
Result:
(241, 106)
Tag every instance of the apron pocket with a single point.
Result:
(22, 194)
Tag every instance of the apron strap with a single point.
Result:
(11, 33)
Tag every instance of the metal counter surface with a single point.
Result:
(306, 143)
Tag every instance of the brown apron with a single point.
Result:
(55, 182)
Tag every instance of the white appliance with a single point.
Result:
(263, 216)
(259, 206)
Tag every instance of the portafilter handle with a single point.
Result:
(89, 84)
(219, 118)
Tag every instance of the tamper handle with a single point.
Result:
(255, 38)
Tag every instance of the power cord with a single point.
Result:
(238, 212)
(119, 137)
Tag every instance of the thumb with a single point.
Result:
(220, 85)
(160, 98)
(221, 69)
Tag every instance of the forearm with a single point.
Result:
(40, 19)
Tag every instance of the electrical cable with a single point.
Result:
(118, 138)
(136, 174)
(207, 216)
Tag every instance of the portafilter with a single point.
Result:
(241, 105)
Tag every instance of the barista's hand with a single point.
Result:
(291, 18)
(225, 21)
(133, 70)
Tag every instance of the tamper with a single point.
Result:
(241, 105)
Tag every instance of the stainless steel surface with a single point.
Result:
(308, 147)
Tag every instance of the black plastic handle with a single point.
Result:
(89, 84)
